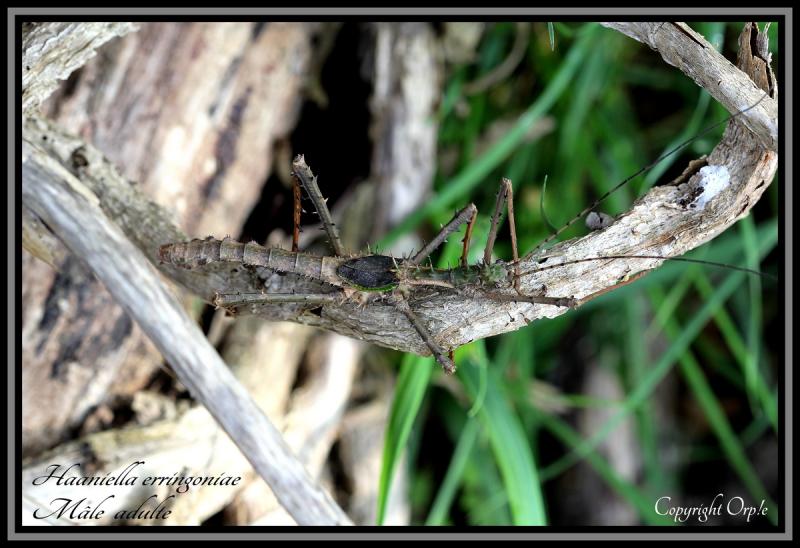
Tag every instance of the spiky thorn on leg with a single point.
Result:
(306, 178)
(467, 237)
(438, 352)
(298, 208)
(464, 216)
(227, 300)
(505, 196)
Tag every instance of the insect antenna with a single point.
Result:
(646, 168)
(704, 262)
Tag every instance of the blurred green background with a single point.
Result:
(665, 387)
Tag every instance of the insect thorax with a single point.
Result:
(490, 275)
(370, 273)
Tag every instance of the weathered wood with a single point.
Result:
(310, 427)
(188, 110)
(264, 357)
(73, 362)
(659, 224)
(682, 47)
(51, 51)
(406, 90)
(40, 242)
(361, 452)
(70, 209)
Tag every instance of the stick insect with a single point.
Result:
(370, 278)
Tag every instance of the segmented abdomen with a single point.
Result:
(197, 253)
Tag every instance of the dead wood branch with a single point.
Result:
(71, 210)
(407, 86)
(189, 111)
(51, 51)
(310, 427)
(682, 47)
(361, 451)
(264, 357)
(660, 223)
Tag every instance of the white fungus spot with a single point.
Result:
(713, 180)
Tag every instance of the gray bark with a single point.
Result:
(682, 47)
(190, 112)
(54, 195)
(51, 51)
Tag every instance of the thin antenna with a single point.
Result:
(646, 168)
(658, 257)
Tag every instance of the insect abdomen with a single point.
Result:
(197, 253)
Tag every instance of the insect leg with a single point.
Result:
(512, 226)
(238, 299)
(306, 178)
(296, 214)
(440, 354)
(498, 211)
(505, 196)
(568, 302)
(466, 215)
(467, 237)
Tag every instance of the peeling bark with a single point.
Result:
(50, 185)
(51, 51)
(737, 88)
(188, 111)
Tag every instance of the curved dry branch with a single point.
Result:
(687, 50)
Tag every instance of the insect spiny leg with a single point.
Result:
(565, 302)
(467, 237)
(460, 218)
(306, 178)
(498, 211)
(298, 208)
(238, 299)
(512, 227)
(438, 353)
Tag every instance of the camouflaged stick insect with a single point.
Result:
(367, 278)
(371, 278)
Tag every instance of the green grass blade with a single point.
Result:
(636, 359)
(755, 316)
(511, 449)
(474, 173)
(412, 383)
(624, 488)
(654, 377)
(712, 409)
(447, 491)
(766, 396)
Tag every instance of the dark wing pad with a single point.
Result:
(370, 272)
